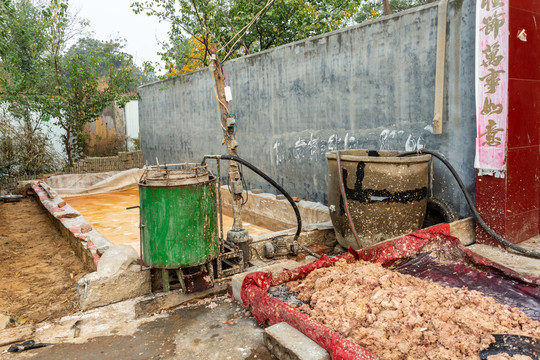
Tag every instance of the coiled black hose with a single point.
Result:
(274, 184)
(477, 216)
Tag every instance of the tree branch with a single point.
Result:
(386, 5)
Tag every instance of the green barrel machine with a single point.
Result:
(178, 213)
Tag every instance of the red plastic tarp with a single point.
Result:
(269, 310)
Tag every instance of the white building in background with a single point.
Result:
(55, 133)
(131, 113)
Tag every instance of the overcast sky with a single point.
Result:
(115, 18)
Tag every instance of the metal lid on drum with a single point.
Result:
(186, 174)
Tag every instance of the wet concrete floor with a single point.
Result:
(216, 330)
(107, 212)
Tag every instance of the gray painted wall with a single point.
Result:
(368, 86)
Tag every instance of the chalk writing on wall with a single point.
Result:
(312, 147)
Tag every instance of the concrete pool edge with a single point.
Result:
(271, 210)
(83, 237)
(89, 244)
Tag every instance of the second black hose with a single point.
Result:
(471, 203)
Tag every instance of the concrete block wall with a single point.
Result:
(367, 86)
(123, 161)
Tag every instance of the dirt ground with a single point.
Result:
(39, 269)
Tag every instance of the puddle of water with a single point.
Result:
(107, 212)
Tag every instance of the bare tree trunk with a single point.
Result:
(67, 141)
(230, 142)
(386, 5)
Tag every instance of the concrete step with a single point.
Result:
(287, 343)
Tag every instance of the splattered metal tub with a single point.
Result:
(178, 216)
(386, 195)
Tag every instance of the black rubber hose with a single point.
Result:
(274, 184)
(471, 204)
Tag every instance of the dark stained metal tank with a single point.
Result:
(387, 195)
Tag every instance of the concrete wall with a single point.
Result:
(367, 86)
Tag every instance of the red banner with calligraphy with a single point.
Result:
(491, 85)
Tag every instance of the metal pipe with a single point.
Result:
(203, 162)
(306, 249)
(267, 178)
(221, 238)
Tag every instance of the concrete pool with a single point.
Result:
(107, 212)
(90, 212)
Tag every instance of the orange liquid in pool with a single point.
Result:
(107, 212)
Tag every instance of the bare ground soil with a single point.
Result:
(39, 270)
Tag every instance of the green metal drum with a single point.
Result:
(178, 217)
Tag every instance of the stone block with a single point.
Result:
(95, 291)
(285, 342)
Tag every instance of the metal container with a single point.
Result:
(11, 198)
(387, 195)
(178, 216)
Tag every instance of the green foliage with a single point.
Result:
(23, 77)
(23, 61)
(5, 11)
(218, 21)
(84, 94)
(195, 24)
(20, 47)
(372, 9)
(290, 20)
(176, 53)
(110, 54)
(145, 74)
(39, 80)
